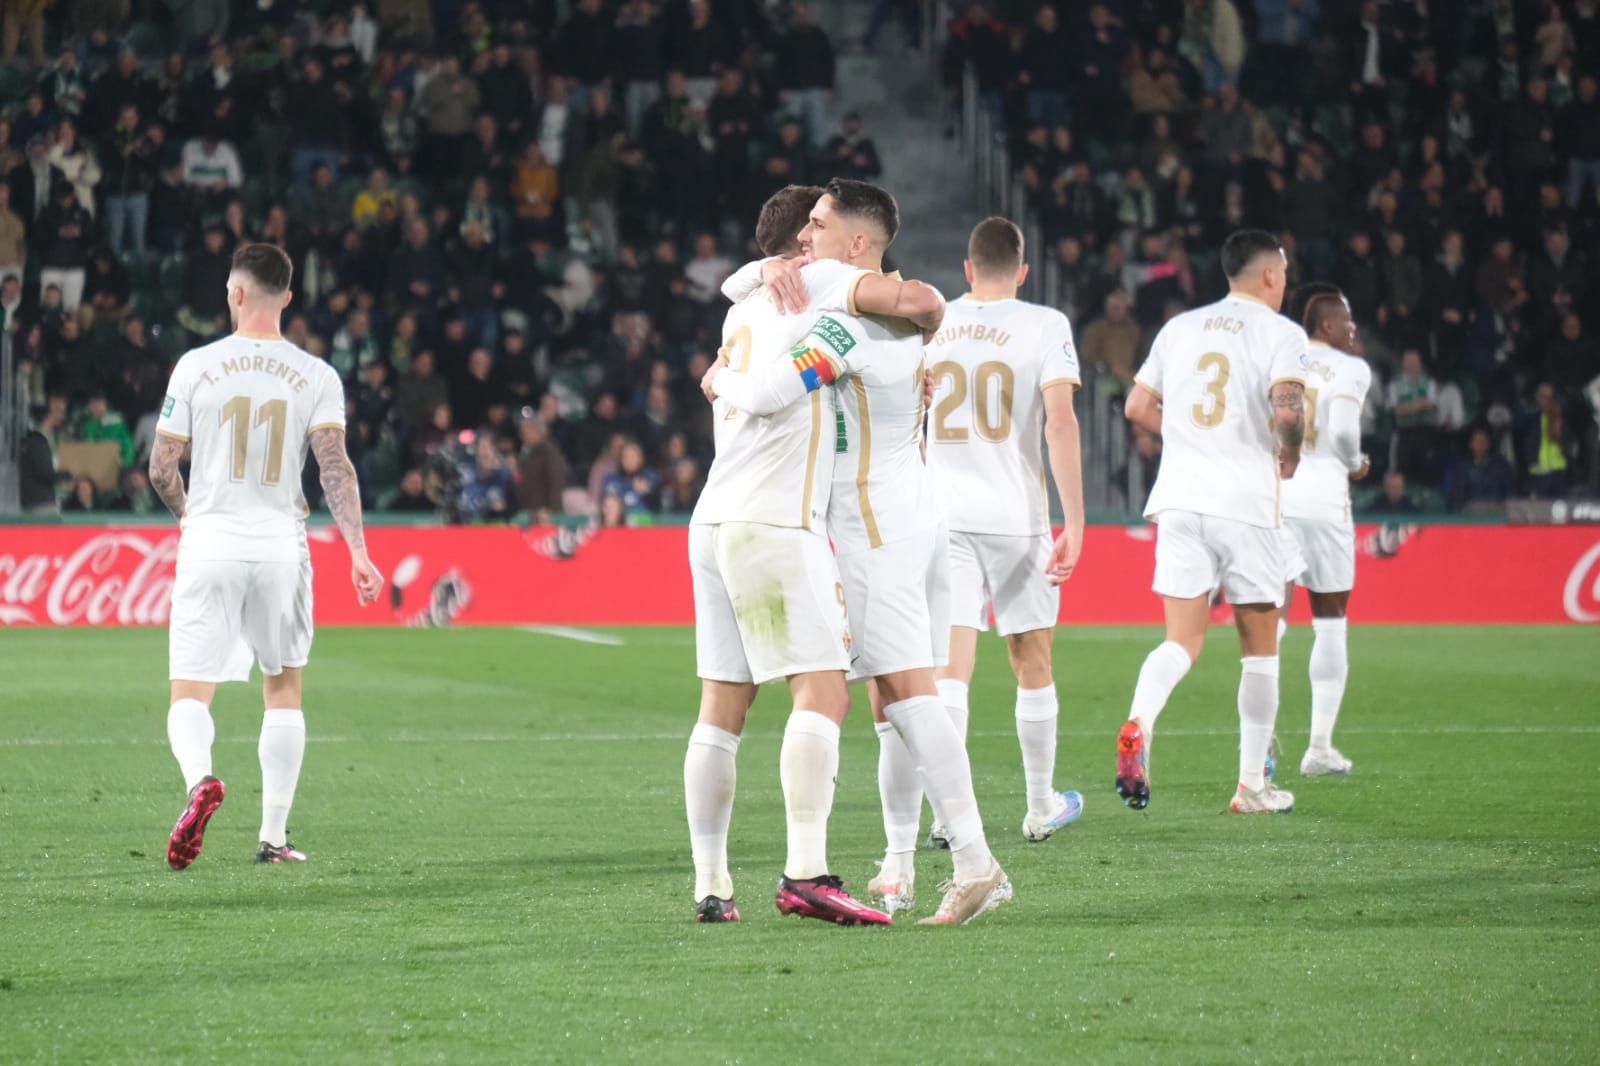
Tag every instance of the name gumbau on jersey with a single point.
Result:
(972, 331)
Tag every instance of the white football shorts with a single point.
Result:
(1005, 572)
(899, 600)
(1195, 554)
(1322, 554)
(767, 603)
(228, 615)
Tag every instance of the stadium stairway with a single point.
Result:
(897, 93)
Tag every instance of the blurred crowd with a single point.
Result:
(1438, 161)
(508, 222)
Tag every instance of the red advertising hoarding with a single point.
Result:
(122, 575)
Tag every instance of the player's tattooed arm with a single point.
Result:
(343, 493)
(165, 478)
(339, 486)
(917, 301)
(1288, 422)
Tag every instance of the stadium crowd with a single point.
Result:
(509, 226)
(1438, 161)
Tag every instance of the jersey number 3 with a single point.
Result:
(275, 413)
(1209, 413)
(991, 413)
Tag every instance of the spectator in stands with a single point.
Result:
(136, 495)
(488, 488)
(1413, 399)
(1483, 479)
(707, 270)
(85, 498)
(804, 70)
(76, 162)
(313, 111)
(1393, 500)
(535, 192)
(129, 160)
(13, 239)
(211, 169)
(449, 105)
(1549, 445)
(1111, 343)
(413, 496)
(849, 154)
(638, 485)
(541, 470)
(62, 239)
(204, 311)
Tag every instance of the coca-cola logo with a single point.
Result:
(123, 577)
(1581, 597)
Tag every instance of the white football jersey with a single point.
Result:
(1320, 487)
(774, 469)
(1213, 369)
(247, 407)
(992, 361)
(882, 489)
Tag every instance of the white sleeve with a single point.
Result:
(1290, 358)
(1060, 354)
(765, 391)
(176, 419)
(1342, 431)
(1150, 374)
(744, 281)
(832, 285)
(327, 407)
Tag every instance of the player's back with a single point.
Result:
(1320, 487)
(992, 361)
(1213, 369)
(248, 406)
(772, 469)
(882, 490)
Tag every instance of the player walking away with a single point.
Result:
(1004, 371)
(247, 407)
(887, 529)
(768, 601)
(1223, 386)
(1319, 536)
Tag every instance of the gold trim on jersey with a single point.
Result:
(850, 293)
(326, 425)
(975, 298)
(864, 466)
(167, 433)
(811, 459)
(1147, 387)
(1068, 381)
(258, 336)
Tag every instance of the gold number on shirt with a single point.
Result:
(276, 414)
(952, 400)
(1209, 415)
(991, 425)
(737, 353)
(1311, 418)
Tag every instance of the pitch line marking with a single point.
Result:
(585, 636)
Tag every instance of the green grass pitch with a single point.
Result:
(500, 868)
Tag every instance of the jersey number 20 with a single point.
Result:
(992, 420)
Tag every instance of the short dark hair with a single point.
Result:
(862, 200)
(995, 247)
(1316, 300)
(267, 264)
(1243, 248)
(783, 216)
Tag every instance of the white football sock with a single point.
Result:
(190, 731)
(930, 736)
(900, 790)
(1330, 666)
(1037, 712)
(808, 765)
(1283, 624)
(708, 784)
(954, 695)
(1160, 674)
(1258, 711)
(282, 747)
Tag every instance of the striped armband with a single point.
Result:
(814, 367)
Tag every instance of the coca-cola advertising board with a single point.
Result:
(122, 576)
